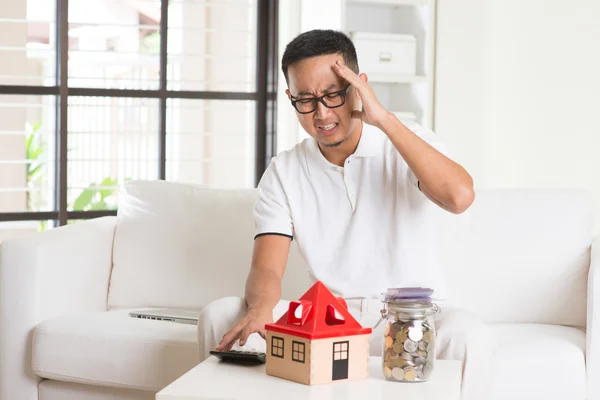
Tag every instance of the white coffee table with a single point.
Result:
(215, 380)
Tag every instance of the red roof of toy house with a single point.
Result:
(322, 315)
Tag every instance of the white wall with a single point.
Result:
(287, 123)
(518, 91)
(295, 17)
(13, 172)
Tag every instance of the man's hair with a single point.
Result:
(319, 42)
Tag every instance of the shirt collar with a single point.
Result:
(369, 145)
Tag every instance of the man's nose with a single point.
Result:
(322, 112)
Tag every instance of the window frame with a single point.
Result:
(298, 355)
(342, 353)
(275, 346)
(264, 96)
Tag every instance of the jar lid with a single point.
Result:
(408, 295)
(416, 301)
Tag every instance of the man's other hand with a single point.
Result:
(253, 322)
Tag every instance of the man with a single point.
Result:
(355, 197)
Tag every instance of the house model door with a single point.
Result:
(340, 360)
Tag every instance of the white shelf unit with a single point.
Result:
(377, 78)
(390, 2)
(405, 95)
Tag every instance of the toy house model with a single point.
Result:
(317, 341)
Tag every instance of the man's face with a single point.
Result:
(315, 77)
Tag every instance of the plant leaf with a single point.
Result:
(101, 205)
(104, 193)
(84, 200)
(33, 170)
(36, 127)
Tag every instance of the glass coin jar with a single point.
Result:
(409, 348)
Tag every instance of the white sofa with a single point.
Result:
(522, 259)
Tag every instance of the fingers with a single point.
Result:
(227, 342)
(263, 333)
(249, 330)
(240, 332)
(347, 73)
(230, 337)
(244, 335)
(227, 347)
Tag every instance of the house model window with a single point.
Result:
(277, 347)
(333, 317)
(298, 351)
(340, 351)
(299, 312)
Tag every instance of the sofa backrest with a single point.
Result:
(183, 246)
(519, 255)
(514, 256)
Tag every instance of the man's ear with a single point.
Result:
(363, 77)
(289, 95)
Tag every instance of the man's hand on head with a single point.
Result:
(373, 113)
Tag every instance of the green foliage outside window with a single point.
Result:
(96, 196)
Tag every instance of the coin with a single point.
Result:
(386, 330)
(398, 374)
(387, 372)
(422, 345)
(395, 328)
(398, 347)
(401, 336)
(407, 356)
(422, 353)
(415, 333)
(428, 337)
(390, 353)
(399, 362)
(388, 341)
(419, 360)
(410, 374)
(410, 346)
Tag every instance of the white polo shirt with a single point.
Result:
(362, 228)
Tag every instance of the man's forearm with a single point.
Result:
(441, 177)
(263, 289)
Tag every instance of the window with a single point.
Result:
(277, 347)
(333, 316)
(340, 351)
(97, 92)
(297, 351)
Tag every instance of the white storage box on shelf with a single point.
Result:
(386, 57)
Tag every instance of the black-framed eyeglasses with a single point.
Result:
(329, 100)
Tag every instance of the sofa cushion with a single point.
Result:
(536, 361)
(183, 246)
(125, 352)
(56, 390)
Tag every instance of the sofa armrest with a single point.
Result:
(58, 272)
(593, 324)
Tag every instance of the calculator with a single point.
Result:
(240, 357)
